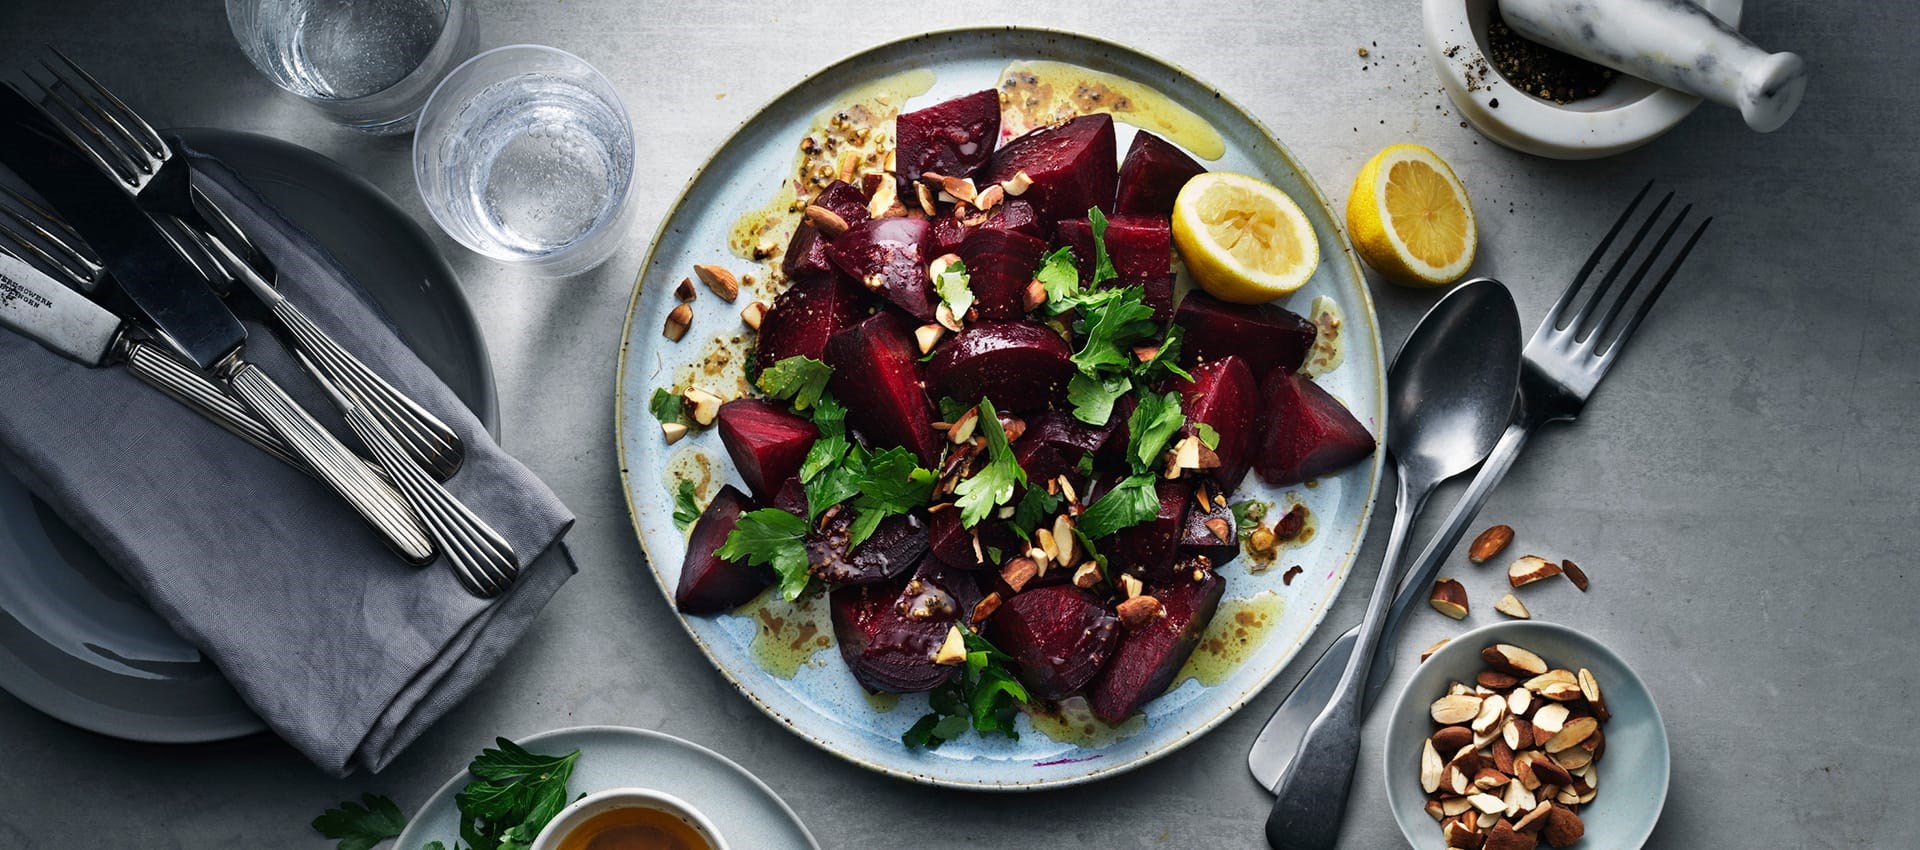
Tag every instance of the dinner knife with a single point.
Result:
(65, 322)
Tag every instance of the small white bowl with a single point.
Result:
(1634, 769)
(1630, 113)
(585, 808)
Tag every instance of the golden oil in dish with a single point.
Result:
(1238, 629)
(1036, 93)
(1072, 722)
(882, 701)
(691, 464)
(634, 828)
(850, 138)
(721, 368)
(786, 634)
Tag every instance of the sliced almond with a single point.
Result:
(1493, 712)
(1574, 574)
(1573, 759)
(828, 222)
(1495, 679)
(1488, 803)
(925, 196)
(885, 197)
(1018, 572)
(1559, 675)
(1490, 543)
(1430, 766)
(1063, 540)
(685, 291)
(1460, 836)
(1513, 659)
(1562, 828)
(944, 315)
(1044, 538)
(1458, 781)
(1550, 718)
(1429, 651)
(1534, 819)
(703, 406)
(1549, 772)
(755, 313)
(1520, 701)
(1488, 779)
(1561, 691)
(1510, 734)
(1455, 708)
(990, 197)
(1529, 569)
(1018, 184)
(1590, 688)
(1487, 820)
(718, 279)
(1130, 585)
(985, 608)
(1434, 811)
(1449, 597)
(1510, 606)
(678, 321)
(1502, 755)
(1086, 576)
(962, 430)
(673, 431)
(1454, 806)
(1140, 611)
(1036, 295)
(1449, 739)
(953, 650)
(1577, 730)
(928, 335)
(1501, 836)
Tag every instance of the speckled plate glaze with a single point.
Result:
(742, 808)
(822, 703)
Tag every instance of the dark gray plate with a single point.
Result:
(75, 642)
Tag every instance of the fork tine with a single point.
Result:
(76, 261)
(118, 164)
(76, 101)
(146, 134)
(1646, 264)
(1646, 305)
(1566, 297)
(1620, 264)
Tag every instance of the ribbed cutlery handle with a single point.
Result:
(333, 463)
(424, 438)
(189, 387)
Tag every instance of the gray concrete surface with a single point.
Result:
(1743, 491)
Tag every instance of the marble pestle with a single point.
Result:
(1671, 42)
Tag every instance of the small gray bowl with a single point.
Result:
(1633, 772)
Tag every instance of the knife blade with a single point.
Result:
(151, 281)
(61, 319)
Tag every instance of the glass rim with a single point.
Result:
(558, 257)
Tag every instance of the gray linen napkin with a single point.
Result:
(345, 651)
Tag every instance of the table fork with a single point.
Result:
(1562, 365)
(125, 146)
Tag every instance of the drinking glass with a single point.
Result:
(525, 154)
(368, 64)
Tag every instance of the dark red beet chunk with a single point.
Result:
(893, 252)
(1054, 443)
(1058, 636)
(875, 374)
(1018, 216)
(1147, 659)
(1219, 542)
(1152, 175)
(803, 317)
(1269, 337)
(1224, 395)
(845, 200)
(898, 543)
(947, 234)
(1139, 246)
(766, 441)
(806, 258)
(1021, 366)
(1000, 264)
(792, 497)
(1147, 550)
(708, 584)
(1071, 165)
(952, 542)
(888, 633)
(1307, 432)
(953, 138)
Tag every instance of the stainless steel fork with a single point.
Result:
(1562, 365)
(124, 145)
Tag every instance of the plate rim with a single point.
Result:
(406, 839)
(1323, 605)
(67, 707)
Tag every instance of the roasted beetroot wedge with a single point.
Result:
(1054, 443)
(1058, 636)
(898, 543)
(708, 584)
(952, 542)
(1018, 216)
(1147, 659)
(953, 138)
(766, 441)
(804, 316)
(1306, 432)
(845, 200)
(1210, 532)
(1140, 246)
(1151, 176)
(1224, 395)
(792, 497)
(890, 255)
(947, 235)
(1269, 337)
(888, 633)
(806, 258)
(1071, 165)
(877, 376)
(1000, 263)
(1021, 366)
(1147, 550)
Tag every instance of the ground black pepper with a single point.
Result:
(1542, 71)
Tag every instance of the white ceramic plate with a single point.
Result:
(822, 703)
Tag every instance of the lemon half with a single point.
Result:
(1410, 218)
(1243, 239)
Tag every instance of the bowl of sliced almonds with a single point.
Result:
(1499, 740)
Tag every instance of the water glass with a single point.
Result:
(525, 154)
(368, 64)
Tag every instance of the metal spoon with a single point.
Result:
(1450, 394)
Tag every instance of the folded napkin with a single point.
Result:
(345, 650)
